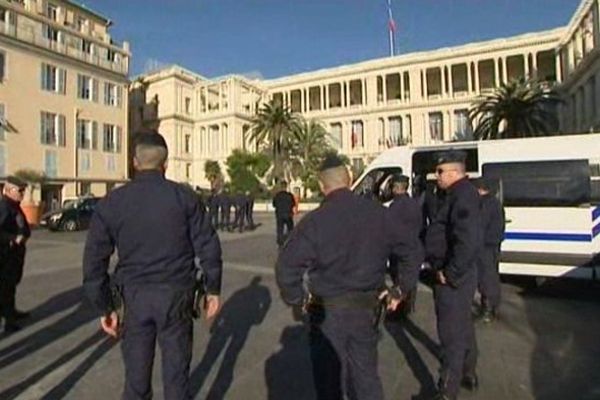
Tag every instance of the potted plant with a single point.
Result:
(31, 208)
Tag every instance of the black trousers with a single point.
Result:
(157, 313)
(225, 217)
(285, 225)
(214, 217)
(249, 216)
(456, 332)
(343, 348)
(11, 273)
(239, 218)
(488, 277)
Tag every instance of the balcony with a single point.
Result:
(36, 39)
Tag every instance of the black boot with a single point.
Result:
(470, 382)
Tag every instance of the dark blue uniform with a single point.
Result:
(239, 205)
(344, 246)
(407, 211)
(12, 257)
(454, 238)
(224, 201)
(160, 232)
(284, 214)
(213, 209)
(249, 210)
(492, 220)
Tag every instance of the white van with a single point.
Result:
(549, 186)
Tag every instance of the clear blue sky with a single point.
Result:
(275, 38)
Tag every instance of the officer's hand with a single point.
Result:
(20, 239)
(110, 324)
(392, 303)
(211, 306)
(441, 278)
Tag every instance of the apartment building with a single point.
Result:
(417, 98)
(63, 97)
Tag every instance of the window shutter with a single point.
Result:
(43, 77)
(119, 96)
(95, 90)
(62, 81)
(2, 122)
(95, 135)
(79, 86)
(118, 133)
(62, 136)
(43, 127)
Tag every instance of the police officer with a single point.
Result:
(225, 207)
(455, 230)
(346, 273)
(250, 210)
(163, 239)
(492, 221)
(283, 202)
(239, 205)
(407, 211)
(213, 208)
(14, 233)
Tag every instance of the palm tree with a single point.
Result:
(520, 108)
(212, 171)
(272, 128)
(308, 147)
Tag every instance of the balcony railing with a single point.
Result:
(37, 39)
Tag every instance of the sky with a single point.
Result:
(274, 38)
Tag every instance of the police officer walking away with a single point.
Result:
(492, 220)
(239, 205)
(163, 239)
(213, 208)
(407, 211)
(454, 233)
(14, 233)
(250, 210)
(284, 212)
(225, 206)
(346, 277)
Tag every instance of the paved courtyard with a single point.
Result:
(546, 345)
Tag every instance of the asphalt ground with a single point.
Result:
(546, 344)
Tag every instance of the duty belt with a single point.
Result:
(364, 300)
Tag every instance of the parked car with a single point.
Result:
(75, 216)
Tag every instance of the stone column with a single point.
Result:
(443, 80)
(384, 87)
(401, 86)
(469, 79)
(476, 89)
(558, 67)
(450, 82)
(504, 70)
(425, 95)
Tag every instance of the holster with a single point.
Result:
(199, 295)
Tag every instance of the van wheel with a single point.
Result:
(69, 225)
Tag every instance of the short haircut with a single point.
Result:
(335, 177)
(150, 156)
(401, 184)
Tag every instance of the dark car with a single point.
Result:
(75, 216)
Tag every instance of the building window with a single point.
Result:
(52, 129)
(87, 88)
(2, 66)
(396, 131)
(87, 134)
(336, 135)
(188, 105)
(111, 55)
(436, 123)
(2, 124)
(462, 125)
(52, 11)
(85, 188)
(188, 143)
(50, 164)
(592, 91)
(357, 135)
(54, 79)
(81, 24)
(188, 171)
(2, 162)
(86, 46)
(85, 162)
(113, 94)
(50, 33)
(112, 138)
(111, 165)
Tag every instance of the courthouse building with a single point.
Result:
(416, 98)
(63, 97)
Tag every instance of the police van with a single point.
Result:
(549, 187)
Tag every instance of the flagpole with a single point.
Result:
(391, 27)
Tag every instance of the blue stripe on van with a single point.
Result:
(596, 230)
(595, 213)
(553, 237)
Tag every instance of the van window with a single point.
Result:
(375, 184)
(542, 183)
(595, 183)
